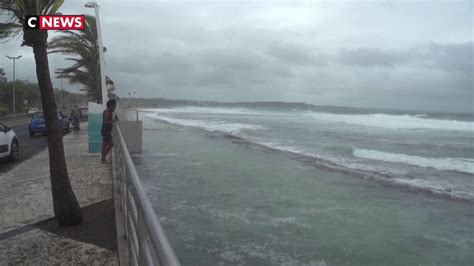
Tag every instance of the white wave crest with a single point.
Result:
(283, 147)
(394, 121)
(221, 126)
(334, 160)
(464, 165)
(203, 110)
(438, 187)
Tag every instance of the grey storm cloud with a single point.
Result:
(373, 57)
(453, 57)
(143, 64)
(297, 54)
(449, 57)
(409, 54)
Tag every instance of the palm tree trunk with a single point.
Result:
(66, 207)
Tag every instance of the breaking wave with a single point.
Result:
(384, 174)
(463, 165)
(221, 126)
(351, 165)
(393, 121)
(204, 110)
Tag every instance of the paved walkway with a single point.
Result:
(25, 200)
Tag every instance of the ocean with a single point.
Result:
(288, 186)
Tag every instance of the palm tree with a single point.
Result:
(84, 49)
(66, 207)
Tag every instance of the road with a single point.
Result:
(28, 147)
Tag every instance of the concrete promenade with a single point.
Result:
(29, 235)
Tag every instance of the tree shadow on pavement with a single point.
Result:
(97, 228)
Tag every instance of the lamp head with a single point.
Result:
(91, 5)
(12, 57)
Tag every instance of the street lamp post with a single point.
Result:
(101, 51)
(61, 94)
(130, 98)
(14, 81)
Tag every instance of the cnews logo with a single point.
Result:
(59, 22)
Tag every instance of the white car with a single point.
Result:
(9, 146)
(32, 111)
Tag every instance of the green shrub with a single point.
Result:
(3, 110)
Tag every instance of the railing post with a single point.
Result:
(124, 200)
(141, 239)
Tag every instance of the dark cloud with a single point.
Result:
(447, 57)
(452, 57)
(373, 57)
(292, 53)
(143, 64)
(234, 59)
(397, 55)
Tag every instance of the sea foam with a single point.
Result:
(221, 126)
(463, 165)
(393, 121)
(203, 110)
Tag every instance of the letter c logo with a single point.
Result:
(30, 24)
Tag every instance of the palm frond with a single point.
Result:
(53, 7)
(9, 31)
(82, 49)
(12, 14)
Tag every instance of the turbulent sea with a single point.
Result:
(282, 186)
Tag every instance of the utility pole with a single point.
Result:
(61, 90)
(60, 97)
(14, 81)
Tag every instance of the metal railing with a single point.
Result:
(146, 241)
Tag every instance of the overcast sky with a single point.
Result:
(388, 54)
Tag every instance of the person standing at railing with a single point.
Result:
(108, 121)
